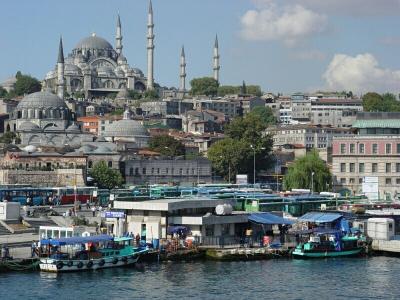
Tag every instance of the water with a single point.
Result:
(360, 278)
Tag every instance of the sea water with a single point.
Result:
(341, 278)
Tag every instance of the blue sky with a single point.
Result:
(282, 45)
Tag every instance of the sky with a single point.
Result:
(284, 46)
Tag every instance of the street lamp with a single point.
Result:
(254, 164)
(312, 183)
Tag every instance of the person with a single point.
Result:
(93, 211)
(87, 204)
(137, 238)
(33, 249)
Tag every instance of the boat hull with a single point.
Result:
(60, 266)
(300, 254)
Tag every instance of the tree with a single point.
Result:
(376, 102)
(299, 173)
(224, 90)
(151, 94)
(135, 95)
(236, 150)
(204, 86)
(9, 137)
(166, 145)
(3, 92)
(26, 84)
(105, 177)
(265, 113)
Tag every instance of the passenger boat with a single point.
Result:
(88, 253)
(330, 244)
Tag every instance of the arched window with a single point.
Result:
(110, 164)
(108, 84)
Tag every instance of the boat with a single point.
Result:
(88, 253)
(330, 244)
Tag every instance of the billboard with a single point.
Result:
(241, 179)
(370, 187)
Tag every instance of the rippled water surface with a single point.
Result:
(356, 278)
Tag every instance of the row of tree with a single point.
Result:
(386, 102)
(210, 87)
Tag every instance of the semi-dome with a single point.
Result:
(41, 100)
(105, 71)
(125, 128)
(72, 69)
(93, 42)
(28, 126)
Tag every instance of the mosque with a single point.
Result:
(97, 69)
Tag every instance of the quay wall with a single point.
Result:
(387, 246)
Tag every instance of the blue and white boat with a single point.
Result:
(88, 253)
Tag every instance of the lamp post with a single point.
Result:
(312, 183)
(254, 165)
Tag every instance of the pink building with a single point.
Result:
(374, 152)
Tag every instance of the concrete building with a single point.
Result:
(339, 112)
(372, 153)
(163, 170)
(308, 136)
(301, 108)
(151, 219)
(205, 121)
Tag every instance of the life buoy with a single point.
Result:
(70, 263)
(102, 262)
(89, 264)
(115, 260)
(60, 265)
(125, 259)
(79, 265)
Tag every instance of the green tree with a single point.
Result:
(245, 139)
(135, 95)
(204, 86)
(376, 102)
(26, 84)
(265, 113)
(166, 145)
(299, 173)
(3, 92)
(105, 177)
(151, 94)
(224, 90)
(10, 137)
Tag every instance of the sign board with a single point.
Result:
(95, 193)
(241, 179)
(114, 214)
(112, 197)
(370, 187)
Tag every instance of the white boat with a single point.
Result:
(89, 253)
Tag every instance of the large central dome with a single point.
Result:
(41, 100)
(93, 42)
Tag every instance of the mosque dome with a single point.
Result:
(41, 100)
(125, 128)
(93, 42)
(102, 149)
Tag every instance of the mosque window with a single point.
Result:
(110, 164)
(90, 164)
(144, 171)
(131, 172)
(136, 171)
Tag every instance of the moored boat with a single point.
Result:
(330, 244)
(88, 253)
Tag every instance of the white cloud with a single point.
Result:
(343, 7)
(360, 74)
(290, 23)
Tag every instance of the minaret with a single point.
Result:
(60, 71)
(150, 48)
(182, 75)
(216, 65)
(118, 37)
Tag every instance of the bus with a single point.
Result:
(68, 194)
(20, 194)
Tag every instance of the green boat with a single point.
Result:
(330, 244)
(89, 253)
